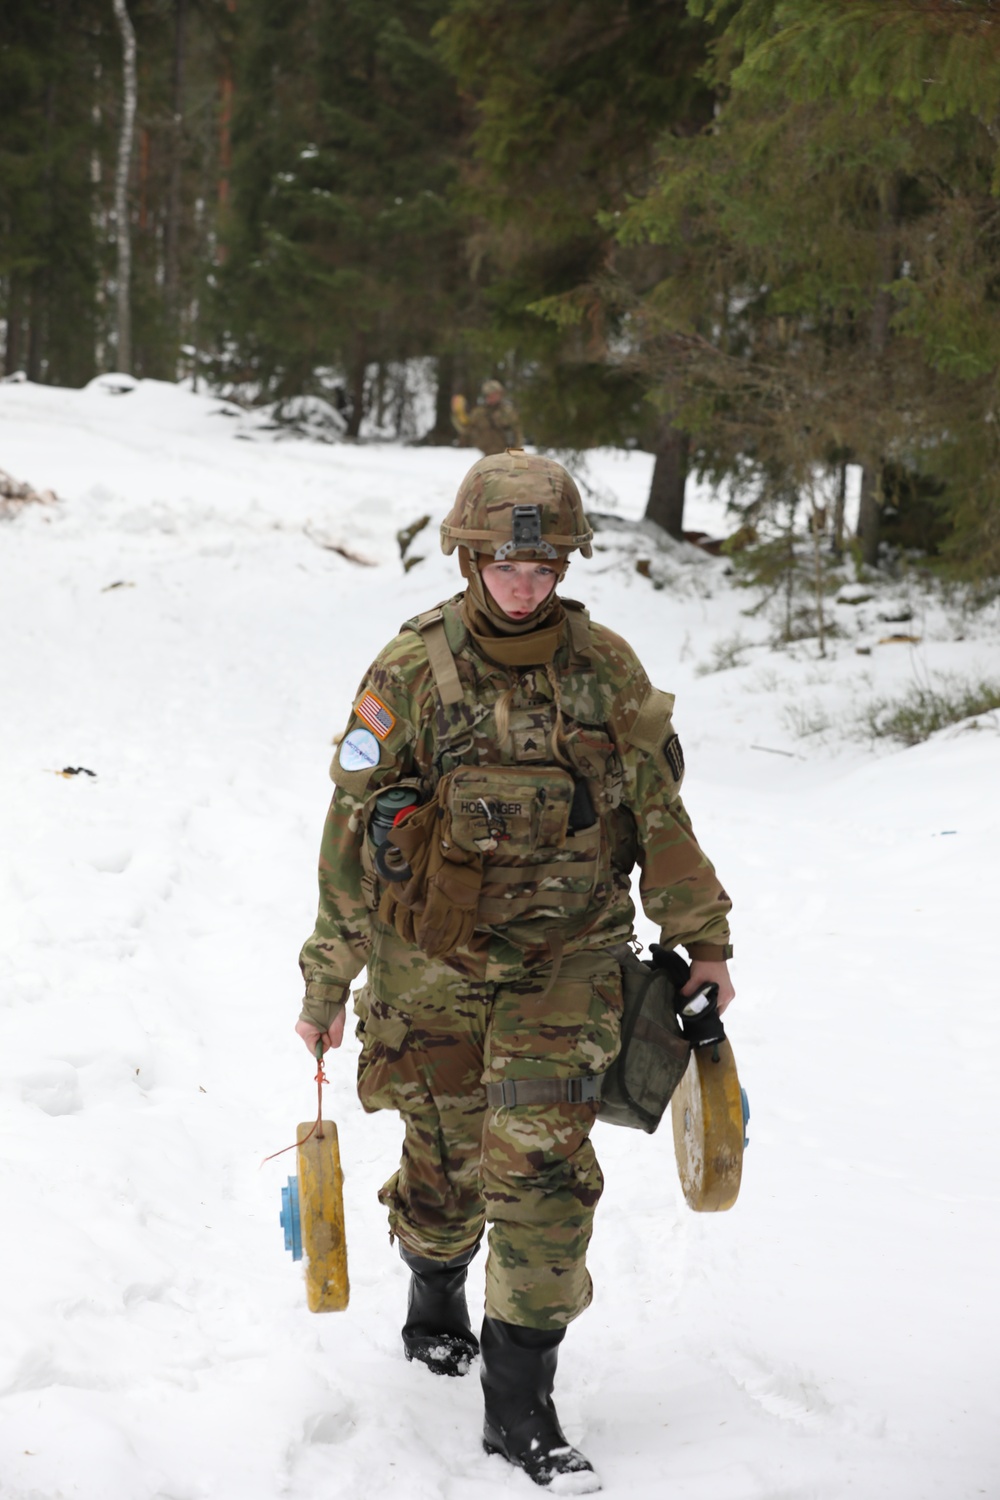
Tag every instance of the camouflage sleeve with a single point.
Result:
(678, 886)
(376, 750)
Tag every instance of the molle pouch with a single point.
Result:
(509, 810)
(591, 751)
(594, 755)
(517, 818)
(654, 1055)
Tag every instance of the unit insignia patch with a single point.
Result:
(359, 751)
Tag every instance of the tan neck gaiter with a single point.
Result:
(512, 643)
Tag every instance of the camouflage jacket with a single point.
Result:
(619, 738)
(492, 429)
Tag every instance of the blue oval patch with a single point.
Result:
(359, 751)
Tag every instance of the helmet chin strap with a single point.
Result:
(471, 564)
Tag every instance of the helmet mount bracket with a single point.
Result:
(526, 534)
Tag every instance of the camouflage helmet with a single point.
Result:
(517, 505)
(492, 388)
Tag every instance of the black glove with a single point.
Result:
(699, 1016)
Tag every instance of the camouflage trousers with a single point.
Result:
(431, 1041)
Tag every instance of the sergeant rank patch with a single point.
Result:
(376, 715)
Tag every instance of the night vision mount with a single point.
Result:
(526, 534)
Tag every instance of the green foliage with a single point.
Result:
(926, 708)
(936, 60)
(725, 655)
(61, 83)
(569, 99)
(342, 245)
(832, 241)
(762, 232)
(48, 246)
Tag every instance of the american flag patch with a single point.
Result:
(375, 714)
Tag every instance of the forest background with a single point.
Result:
(757, 238)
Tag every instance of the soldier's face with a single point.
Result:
(518, 587)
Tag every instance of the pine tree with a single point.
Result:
(341, 246)
(570, 98)
(832, 288)
(49, 249)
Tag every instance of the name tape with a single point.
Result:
(496, 809)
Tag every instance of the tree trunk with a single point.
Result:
(837, 543)
(172, 225)
(868, 515)
(35, 329)
(123, 309)
(879, 334)
(12, 353)
(442, 434)
(356, 394)
(665, 504)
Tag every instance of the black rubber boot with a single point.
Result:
(437, 1330)
(519, 1371)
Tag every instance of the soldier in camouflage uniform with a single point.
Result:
(492, 425)
(543, 766)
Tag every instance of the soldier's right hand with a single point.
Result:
(311, 1034)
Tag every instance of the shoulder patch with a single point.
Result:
(379, 718)
(674, 756)
(359, 751)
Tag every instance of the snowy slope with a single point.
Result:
(180, 626)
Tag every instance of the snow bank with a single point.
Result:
(188, 625)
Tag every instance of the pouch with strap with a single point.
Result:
(435, 905)
(651, 1062)
(654, 1055)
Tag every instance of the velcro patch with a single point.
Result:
(674, 757)
(375, 714)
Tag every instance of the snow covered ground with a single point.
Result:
(180, 626)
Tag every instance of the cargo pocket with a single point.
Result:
(386, 1067)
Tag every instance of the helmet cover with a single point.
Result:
(517, 506)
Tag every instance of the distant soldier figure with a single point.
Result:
(492, 425)
(506, 766)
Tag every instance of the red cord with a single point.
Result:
(317, 1129)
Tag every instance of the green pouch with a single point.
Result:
(654, 1056)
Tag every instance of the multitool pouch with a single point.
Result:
(654, 1052)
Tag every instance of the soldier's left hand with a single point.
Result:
(711, 971)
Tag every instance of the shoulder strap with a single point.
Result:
(578, 621)
(446, 679)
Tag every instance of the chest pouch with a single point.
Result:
(518, 820)
(510, 810)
